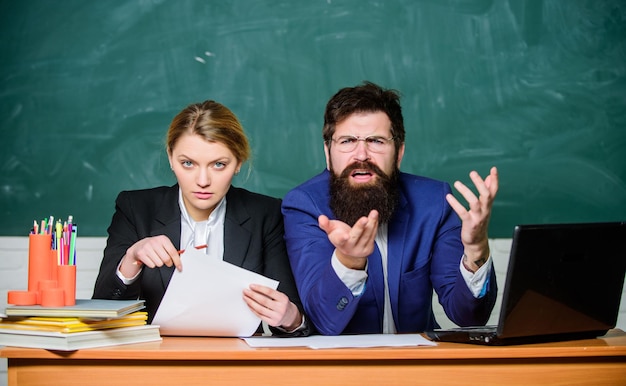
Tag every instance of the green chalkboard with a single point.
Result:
(535, 87)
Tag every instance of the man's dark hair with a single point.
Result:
(365, 98)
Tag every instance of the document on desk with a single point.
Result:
(206, 299)
(342, 341)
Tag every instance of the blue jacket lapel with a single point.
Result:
(397, 234)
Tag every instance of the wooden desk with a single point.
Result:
(230, 361)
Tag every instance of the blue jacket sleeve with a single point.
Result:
(326, 299)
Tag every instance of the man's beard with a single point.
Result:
(351, 202)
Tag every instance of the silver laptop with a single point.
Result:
(563, 282)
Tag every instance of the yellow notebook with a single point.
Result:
(71, 324)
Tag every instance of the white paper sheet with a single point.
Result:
(342, 341)
(206, 299)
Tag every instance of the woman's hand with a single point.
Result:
(152, 252)
(272, 306)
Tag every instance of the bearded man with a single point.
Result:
(368, 243)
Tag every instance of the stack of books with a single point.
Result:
(89, 323)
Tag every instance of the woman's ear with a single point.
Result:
(169, 159)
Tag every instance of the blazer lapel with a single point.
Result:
(167, 222)
(397, 234)
(236, 236)
(377, 281)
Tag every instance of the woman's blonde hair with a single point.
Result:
(215, 123)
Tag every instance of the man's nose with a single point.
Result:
(361, 153)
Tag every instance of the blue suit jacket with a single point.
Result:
(424, 252)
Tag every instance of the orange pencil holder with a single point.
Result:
(66, 278)
(40, 263)
(54, 264)
(50, 295)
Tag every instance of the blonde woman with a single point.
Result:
(206, 147)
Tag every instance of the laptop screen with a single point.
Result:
(563, 279)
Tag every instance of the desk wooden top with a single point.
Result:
(613, 344)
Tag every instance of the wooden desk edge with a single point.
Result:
(613, 344)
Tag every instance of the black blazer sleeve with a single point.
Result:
(139, 214)
(254, 231)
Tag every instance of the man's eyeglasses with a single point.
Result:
(374, 143)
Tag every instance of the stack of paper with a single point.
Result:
(342, 341)
(79, 340)
(90, 323)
